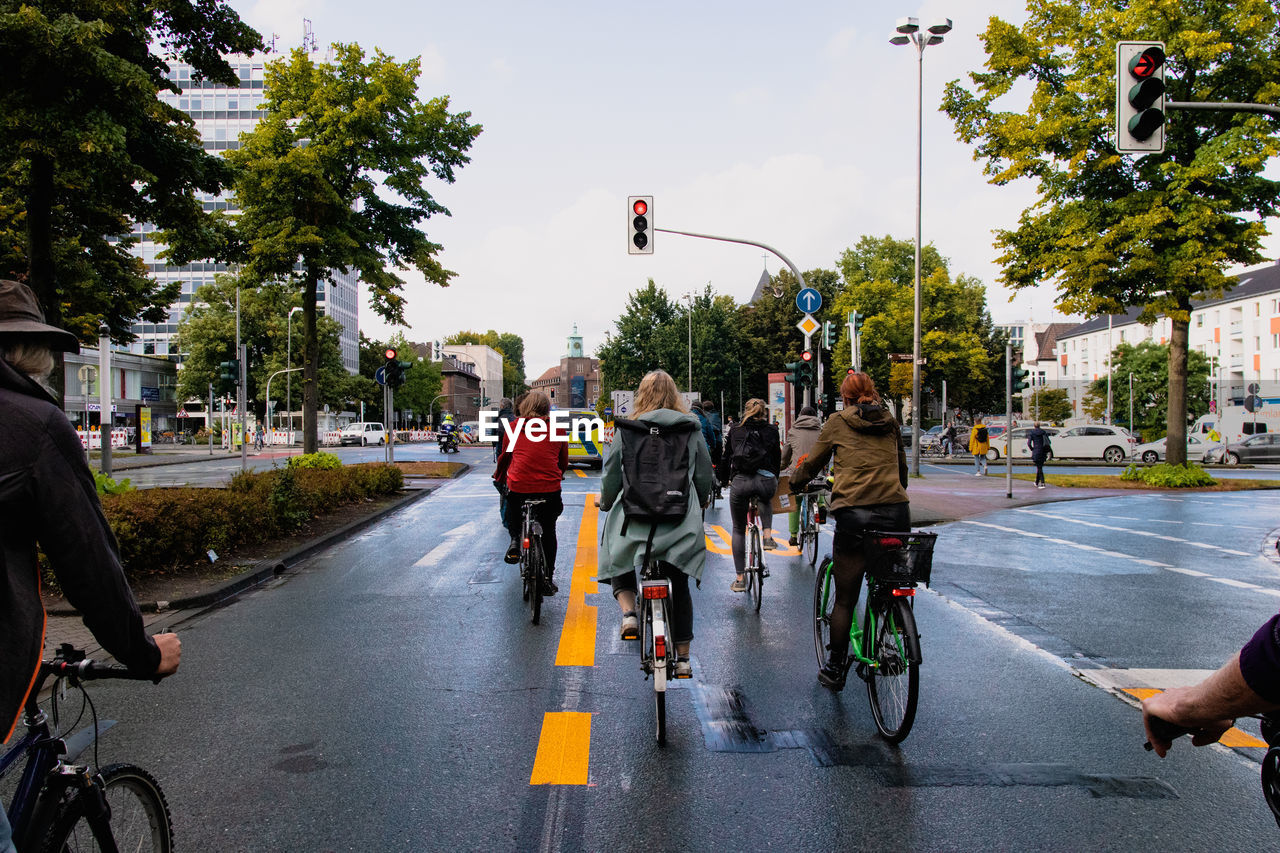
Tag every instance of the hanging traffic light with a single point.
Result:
(1140, 97)
(640, 225)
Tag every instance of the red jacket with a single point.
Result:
(535, 466)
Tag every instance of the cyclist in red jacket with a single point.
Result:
(534, 467)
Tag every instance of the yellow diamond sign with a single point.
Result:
(808, 325)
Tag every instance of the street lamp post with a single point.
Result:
(689, 385)
(908, 32)
(289, 363)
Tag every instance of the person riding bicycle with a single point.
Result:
(800, 440)
(750, 467)
(680, 544)
(870, 493)
(534, 464)
(949, 440)
(717, 435)
(49, 501)
(1248, 683)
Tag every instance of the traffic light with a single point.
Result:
(794, 371)
(830, 334)
(1140, 96)
(857, 320)
(229, 374)
(392, 370)
(808, 366)
(640, 225)
(1019, 380)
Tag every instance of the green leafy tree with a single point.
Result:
(1110, 230)
(1148, 362)
(1050, 405)
(207, 335)
(646, 339)
(958, 340)
(354, 195)
(510, 345)
(88, 150)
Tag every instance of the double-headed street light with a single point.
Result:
(908, 32)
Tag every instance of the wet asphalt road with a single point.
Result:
(392, 695)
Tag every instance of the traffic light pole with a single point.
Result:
(1225, 105)
(388, 400)
(794, 270)
(1008, 417)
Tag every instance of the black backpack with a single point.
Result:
(655, 468)
(752, 454)
(981, 436)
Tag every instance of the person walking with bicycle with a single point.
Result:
(48, 500)
(801, 438)
(665, 454)
(533, 464)
(749, 467)
(869, 493)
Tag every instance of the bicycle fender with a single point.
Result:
(82, 740)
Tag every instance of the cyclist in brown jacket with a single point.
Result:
(870, 493)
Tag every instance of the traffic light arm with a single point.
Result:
(1225, 105)
(777, 293)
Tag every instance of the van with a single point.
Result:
(1235, 424)
(363, 433)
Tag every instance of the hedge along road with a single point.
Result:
(391, 694)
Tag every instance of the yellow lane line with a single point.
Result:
(578, 471)
(1232, 737)
(578, 634)
(564, 749)
(726, 540)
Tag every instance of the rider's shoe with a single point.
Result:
(793, 542)
(739, 585)
(769, 544)
(549, 588)
(684, 669)
(630, 626)
(833, 672)
(513, 552)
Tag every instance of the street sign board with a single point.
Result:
(1253, 402)
(808, 300)
(380, 375)
(1254, 388)
(900, 356)
(808, 325)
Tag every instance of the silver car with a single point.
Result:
(1256, 448)
(1154, 451)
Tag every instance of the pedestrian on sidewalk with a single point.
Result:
(979, 444)
(1039, 444)
(48, 501)
(949, 440)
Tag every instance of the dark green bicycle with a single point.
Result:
(885, 648)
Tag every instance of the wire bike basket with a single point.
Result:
(901, 558)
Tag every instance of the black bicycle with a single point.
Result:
(65, 807)
(533, 561)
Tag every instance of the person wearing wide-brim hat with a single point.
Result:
(48, 499)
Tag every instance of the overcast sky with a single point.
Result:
(789, 124)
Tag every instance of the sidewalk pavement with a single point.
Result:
(180, 454)
(952, 492)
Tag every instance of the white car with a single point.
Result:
(1020, 449)
(1094, 441)
(1154, 451)
(363, 433)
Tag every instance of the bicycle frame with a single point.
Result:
(858, 634)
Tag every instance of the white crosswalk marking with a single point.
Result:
(1130, 530)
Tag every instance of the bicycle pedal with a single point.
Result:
(764, 573)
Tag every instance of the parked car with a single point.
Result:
(1094, 441)
(1258, 448)
(1154, 451)
(363, 433)
(1020, 450)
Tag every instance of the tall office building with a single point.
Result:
(221, 114)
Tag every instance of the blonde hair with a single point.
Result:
(536, 404)
(658, 391)
(33, 359)
(755, 408)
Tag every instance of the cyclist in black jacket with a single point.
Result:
(750, 466)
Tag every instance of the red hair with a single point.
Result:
(858, 388)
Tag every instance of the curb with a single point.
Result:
(264, 570)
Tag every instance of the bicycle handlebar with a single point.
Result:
(1165, 729)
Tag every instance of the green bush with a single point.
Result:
(321, 460)
(108, 486)
(160, 530)
(1169, 476)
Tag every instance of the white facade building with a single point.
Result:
(1239, 334)
(488, 364)
(221, 114)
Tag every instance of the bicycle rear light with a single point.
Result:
(657, 590)
(659, 647)
(525, 542)
(891, 542)
(904, 591)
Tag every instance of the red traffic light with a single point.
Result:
(807, 355)
(639, 207)
(1147, 63)
(390, 354)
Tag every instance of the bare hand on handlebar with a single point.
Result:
(170, 653)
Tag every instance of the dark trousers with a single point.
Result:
(545, 514)
(1039, 460)
(741, 490)
(681, 604)
(848, 567)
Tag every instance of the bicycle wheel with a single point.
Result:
(809, 534)
(824, 599)
(139, 816)
(893, 685)
(755, 568)
(536, 559)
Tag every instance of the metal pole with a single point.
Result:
(1131, 401)
(208, 419)
(1008, 417)
(915, 349)
(794, 269)
(1108, 370)
(105, 420)
(944, 402)
(241, 391)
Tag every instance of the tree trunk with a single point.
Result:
(41, 275)
(310, 366)
(1176, 418)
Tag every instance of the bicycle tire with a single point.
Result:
(660, 716)
(824, 599)
(893, 685)
(755, 571)
(140, 817)
(536, 559)
(808, 534)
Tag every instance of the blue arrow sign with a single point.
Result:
(380, 376)
(808, 300)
